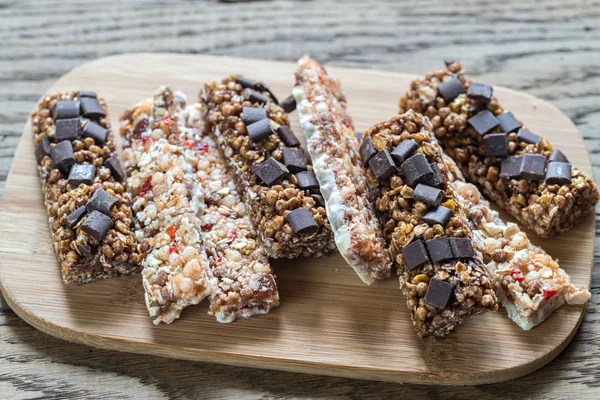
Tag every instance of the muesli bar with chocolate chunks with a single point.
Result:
(332, 145)
(271, 170)
(426, 229)
(514, 167)
(529, 283)
(89, 209)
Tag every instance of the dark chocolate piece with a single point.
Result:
(251, 115)
(116, 168)
(82, 173)
(302, 221)
(96, 132)
(255, 97)
(67, 129)
(508, 123)
(416, 169)
(483, 122)
(437, 178)
(415, 255)
(439, 249)
(42, 149)
(382, 165)
(260, 130)
(557, 155)
(307, 180)
(440, 215)
(294, 159)
(496, 145)
(288, 104)
(528, 137)
(97, 225)
(559, 173)
(271, 171)
(533, 167)
(439, 293)
(404, 150)
(101, 201)
(287, 136)
(87, 93)
(462, 247)
(450, 89)
(246, 82)
(62, 156)
(480, 93)
(66, 110)
(84, 249)
(367, 150)
(318, 200)
(511, 167)
(428, 195)
(72, 219)
(262, 87)
(91, 108)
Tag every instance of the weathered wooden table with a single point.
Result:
(551, 50)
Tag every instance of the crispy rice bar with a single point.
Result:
(444, 286)
(332, 145)
(93, 239)
(517, 169)
(284, 212)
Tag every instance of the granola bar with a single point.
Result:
(332, 145)
(426, 228)
(528, 282)
(89, 210)
(271, 171)
(517, 169)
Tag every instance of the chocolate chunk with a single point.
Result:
(246, 82)
(437, 178)
(415, 255)
(72, 219)
(294, 159)
(261, 86)
(287, 136)
(271, 171)
(66, 110)
(260, 130)
(62, 156)
(528, 137)
(533, 167)
(302, 221)
(67, 129)
(96, 132)
(91, 108)
(483, 122)
(82, 173)
(480, 93)
(450, 89)
(439, 293)
(114, 164)
(251, 115)
(97, 225)
(288, 104)
(511, 167)
(84, 249)
(559, 173)
(367, 150)
(318, 200)
(382, 165)
(307, 180)
(439, 249)
(101, 201)
(42, 149)
(557, 155)
(87, 93)
(404, 150)
(440, 215)
(428, 195)
(416, 169)
(462, 247)
(496, 145)
(508, 123)
(255, 97)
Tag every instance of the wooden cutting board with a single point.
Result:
(329, 322)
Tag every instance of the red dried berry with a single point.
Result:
(548, 294)
(207, 227)
(203, 147)
(167, 121)
(172, 248)
(189, 144)
(517, 275)
(172, 230)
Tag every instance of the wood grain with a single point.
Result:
(549, 49)
(329, 322)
